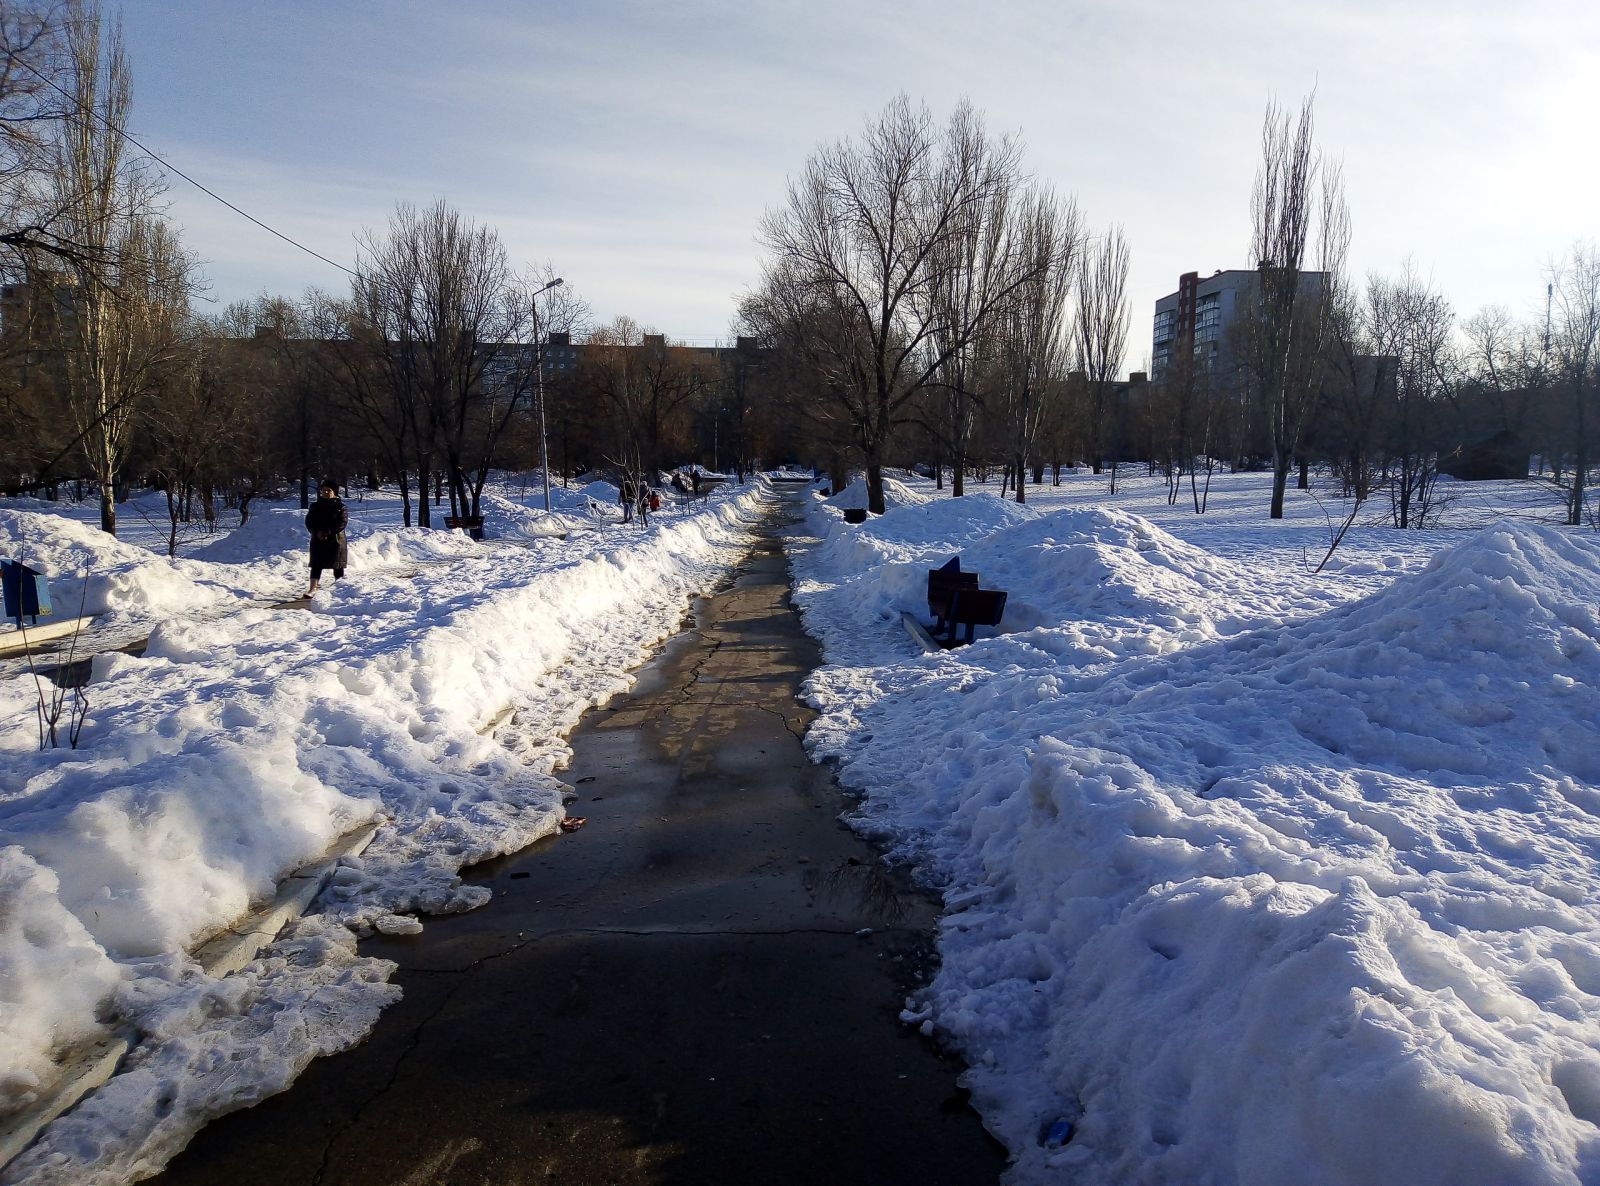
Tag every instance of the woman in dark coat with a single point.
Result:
(326, 521)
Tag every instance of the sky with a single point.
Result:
(635, 147)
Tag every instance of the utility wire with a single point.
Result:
(164, 163)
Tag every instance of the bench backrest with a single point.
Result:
(942, 581)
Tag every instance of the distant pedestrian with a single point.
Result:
(655, 501)
(326, 521)
(629, 497)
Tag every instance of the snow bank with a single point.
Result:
(88, 568)
(895, 494)
(505, 519)
(1304, 902)
(1083, 586)
(236, 749)
(270, 531)
(213, 1046)
(53, 976)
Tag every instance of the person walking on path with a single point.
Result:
(629, 497)
(326, 521)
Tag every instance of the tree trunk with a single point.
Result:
(1280, 485)
(1580, 463)
(875, 503)
(424, 481)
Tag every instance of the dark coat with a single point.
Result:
(326, 521)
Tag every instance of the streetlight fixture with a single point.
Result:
(544, 445)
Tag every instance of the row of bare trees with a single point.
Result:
(923, 299)
(106, 372)
(98, 284)
(1379, 381)
(431, 370)
(917, 279)
(1399, 391)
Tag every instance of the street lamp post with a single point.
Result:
(544, 444)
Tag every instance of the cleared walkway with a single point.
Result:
(701, 986)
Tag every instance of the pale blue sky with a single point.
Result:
(635, 146)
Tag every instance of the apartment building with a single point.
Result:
(1197, 320)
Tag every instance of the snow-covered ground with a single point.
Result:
(1254, 875)
(428, 690)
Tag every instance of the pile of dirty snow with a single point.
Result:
(238, 748)
(1311, 890)
(854, 496)
(100, 574)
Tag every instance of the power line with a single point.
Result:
(164, 163)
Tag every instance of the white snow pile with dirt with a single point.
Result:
(90, 570)
(505, 519)
(895, 494)
(1248, 881)
(263, 559)
(429, 691)
(269, 532)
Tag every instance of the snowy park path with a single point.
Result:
(701, 985)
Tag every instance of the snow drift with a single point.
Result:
(238, 748)
(1309, 901)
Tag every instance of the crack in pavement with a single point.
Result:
(795, 730)
(388, 1085)
(685, 689)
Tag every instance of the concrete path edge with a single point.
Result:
(919, 632)
(220, 956)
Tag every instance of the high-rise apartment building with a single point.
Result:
(1197, 319)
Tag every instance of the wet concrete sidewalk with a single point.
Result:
(701, 986)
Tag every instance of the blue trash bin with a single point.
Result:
(26, 591)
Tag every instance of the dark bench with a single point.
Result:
(972, 608)
(942, 586)
(954, 599)
(472, 523)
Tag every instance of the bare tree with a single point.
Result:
(1413, 323)
(647, 386)
(979, 257)
(191, 429)
(1575, 350)
(121, 302)
(34, 97)
(1358, 389)
(439, 294)
(1034, 332)
(859, 249)
(1102, 333)
(1297, 199)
